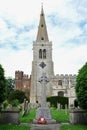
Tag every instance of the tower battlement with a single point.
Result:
(71, 76)
(18, 74)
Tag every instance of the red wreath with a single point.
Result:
(41, 120)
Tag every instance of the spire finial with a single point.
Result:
(42, 8)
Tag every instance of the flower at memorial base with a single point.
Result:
(41, 120)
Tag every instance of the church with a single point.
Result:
(58, 85)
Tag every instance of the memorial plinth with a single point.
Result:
(45, 113)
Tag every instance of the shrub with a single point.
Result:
(2, 85)
(81, 87)
(58, 99)
(15, 102)
(5, 104)
(17, 95)
(75, 103)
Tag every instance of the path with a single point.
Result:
(45, 127)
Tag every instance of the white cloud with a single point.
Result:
(67, 28)
(13, 61)
(70, 60)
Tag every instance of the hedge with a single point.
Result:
(58, 99)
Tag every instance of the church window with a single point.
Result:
(44, 53)
(40, 53)
(60, 82)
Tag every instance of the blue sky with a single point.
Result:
(67, 29)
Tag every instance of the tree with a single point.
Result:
(81, 87)
(16, 94)
(9, 85)
(2, 84)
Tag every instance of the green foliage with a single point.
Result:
(9, 86)
(5, 104)
(19, 95)
(75, 103)
(2, 84)
(57, 99)
(73, 127)
(14, 127)
(81, 87)
(15, 102)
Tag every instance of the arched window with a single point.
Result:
(60, 93)
(44, 53)
(40, 53)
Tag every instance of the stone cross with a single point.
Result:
(43, 80)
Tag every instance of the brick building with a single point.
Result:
(22, 82)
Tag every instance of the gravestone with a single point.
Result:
(58, 105)
(10, 116)
(78, 116)
(25, 107)
(44, 111)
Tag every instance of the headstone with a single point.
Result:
(25, 107)
(48, 104)
(58, 105)
(66, 109)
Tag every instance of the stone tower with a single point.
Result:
(22, 82)
(19, 80)
(42, 54)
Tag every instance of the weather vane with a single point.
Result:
(42, 4)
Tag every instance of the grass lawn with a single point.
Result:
(60, 115)
(73, 127)
(29, 116)
(14, 127)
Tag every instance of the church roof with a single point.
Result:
(42, 29)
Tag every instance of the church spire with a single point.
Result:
(42, 30)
